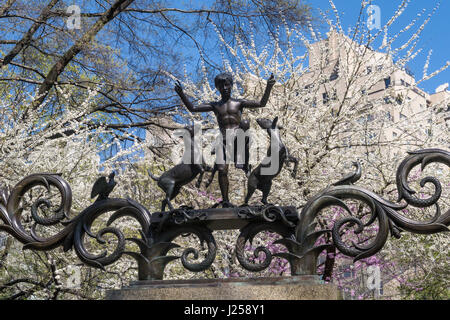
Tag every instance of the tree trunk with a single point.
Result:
(29, 35)
(59, 66)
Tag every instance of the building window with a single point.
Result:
(387, 82)
(327, 55)
(361, 120)
(388, 116)
(348, 271)
(409, 72)
(3, 239)
(311, 102)
(379, 67)
(334, 76)
(372, 135)
(369, 70)
(325, 98)
(347, 274)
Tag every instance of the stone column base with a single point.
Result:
(278, 288)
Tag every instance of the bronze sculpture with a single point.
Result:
(228, 112)
(258, 179)
(158, 229)
(246, 166)
(172, 180)
(103, 188)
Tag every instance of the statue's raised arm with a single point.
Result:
(264, 99)
(206, 107)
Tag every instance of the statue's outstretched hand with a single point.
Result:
(178, 88)
(271, 80)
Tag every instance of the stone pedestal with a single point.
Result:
(277, 288)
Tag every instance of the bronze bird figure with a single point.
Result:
(103, 188)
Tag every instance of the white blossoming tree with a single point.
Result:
(330, 116)
(59, 143)
(329, 103)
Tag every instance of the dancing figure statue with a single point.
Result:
(228, 112)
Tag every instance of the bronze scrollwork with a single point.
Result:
(158, 230)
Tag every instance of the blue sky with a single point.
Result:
(435, 36)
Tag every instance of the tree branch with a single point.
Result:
(60, 65)
(28, 36)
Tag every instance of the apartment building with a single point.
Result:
(339, 69)
(396, 97)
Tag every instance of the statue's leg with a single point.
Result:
(250, 190)
(252, 184)
(235, 155)
(244, 166)
(245, 126)
(199, 180)
(247, 155)
(170, 205)
(211, 177)
(163, 205)
(222, 166)
(170, 193)
(223, 181)
(266, 191)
